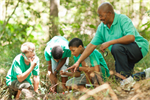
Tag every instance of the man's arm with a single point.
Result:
(123, 40)
(24, 75)
(89, 49)
(36, 83)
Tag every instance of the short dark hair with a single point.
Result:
(76, 42)
(57, 52)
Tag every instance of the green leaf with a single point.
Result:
(92, 26)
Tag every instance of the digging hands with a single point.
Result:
(62, 72)
(52, 89)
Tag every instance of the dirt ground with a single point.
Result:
(140, 91)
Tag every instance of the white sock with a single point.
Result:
(147, 72)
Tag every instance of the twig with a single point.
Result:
(136, 97)
(54, 85)
(117, 74)
(9, 18)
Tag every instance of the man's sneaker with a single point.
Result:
(147, 72)
(127, 83)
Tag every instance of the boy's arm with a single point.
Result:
(88, 69)
(61, 63)
(24, 75)
(36, 83)
(75, 74)
(52, 77)
(49, 66)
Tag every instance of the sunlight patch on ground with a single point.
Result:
(2, 71)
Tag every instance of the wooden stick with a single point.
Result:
(117, 74)
(98, 89)
(135, 97)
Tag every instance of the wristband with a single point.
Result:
(56, 70)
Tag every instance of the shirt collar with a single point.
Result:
(115, 19)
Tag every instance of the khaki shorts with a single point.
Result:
(16, 85)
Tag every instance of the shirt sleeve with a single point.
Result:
(47, 56)
(127, 26)
(98, 36)
(16, 69)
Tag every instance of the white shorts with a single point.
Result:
(77, 81)
(64, 67)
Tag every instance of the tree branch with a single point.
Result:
(6, 22)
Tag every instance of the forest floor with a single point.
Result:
(107, 91)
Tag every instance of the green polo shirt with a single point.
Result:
(120, 27)
(18, 67)
(94, 59)
(57, 40)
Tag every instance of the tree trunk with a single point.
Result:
(53, 29)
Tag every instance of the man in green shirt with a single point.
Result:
(117, 33)
(23, 66)
(57, 55)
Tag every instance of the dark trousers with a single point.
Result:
(126, 55)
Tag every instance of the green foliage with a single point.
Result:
(148, 12)
(146, 28)
(79, 21)
(15, 33)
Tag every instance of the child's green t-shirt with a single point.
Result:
(18, 67)
(57, 40)
(94, 59)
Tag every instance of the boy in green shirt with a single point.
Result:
(57, 55)
(23, 66)
(94, 63)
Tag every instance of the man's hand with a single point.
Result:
(74, 67)
(104, 46)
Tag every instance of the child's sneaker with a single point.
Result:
(147, 72)
(89, 85)
(127, 83)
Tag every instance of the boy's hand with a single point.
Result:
(62, 72)
(55, 73)
(34, 61)
(52, 89)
